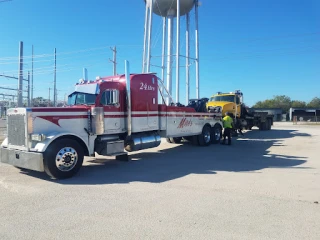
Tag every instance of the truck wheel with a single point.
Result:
(269, 124)
(263, 126)
(63, 158)
(204, 138)
(176, 140)
(195, 140)
(216, 134)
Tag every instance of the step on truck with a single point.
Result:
(110, 116)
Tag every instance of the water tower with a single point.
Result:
(170, 10)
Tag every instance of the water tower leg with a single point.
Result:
(149, 36)
(169, 56)
(187, 57)
(197, 49)
(145, 38)
(163, 47)
(177, 51)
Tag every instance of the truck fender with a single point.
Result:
(42, 146)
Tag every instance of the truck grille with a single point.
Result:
(16, 130)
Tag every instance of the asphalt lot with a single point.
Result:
(265, 186)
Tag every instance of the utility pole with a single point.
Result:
(114, 61)
(20, 81)
(32, 79)
(49, 97)
(28, 93)
(55, 80)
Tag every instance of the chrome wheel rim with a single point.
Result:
(66, 159)
(207, 136)
(217, 134)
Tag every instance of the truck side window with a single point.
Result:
(110, 97)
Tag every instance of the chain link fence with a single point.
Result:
(306, 120)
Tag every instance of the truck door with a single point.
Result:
(110, 101)
(153, 117)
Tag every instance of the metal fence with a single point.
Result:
(306, 120)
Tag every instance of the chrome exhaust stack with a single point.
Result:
(127, 74)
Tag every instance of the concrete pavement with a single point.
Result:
(264, 186)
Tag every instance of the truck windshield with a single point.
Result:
(229, 98)
(81, 99)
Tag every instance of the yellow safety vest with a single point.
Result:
(227, 122)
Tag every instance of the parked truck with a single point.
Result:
(244, 118)
(110, 116)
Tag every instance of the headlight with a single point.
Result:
(38, 137)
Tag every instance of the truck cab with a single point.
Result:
(229, 102)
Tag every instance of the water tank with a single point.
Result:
(166, 8)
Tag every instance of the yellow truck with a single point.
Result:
(244, 118)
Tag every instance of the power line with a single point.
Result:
(2, 75)
(66, 53)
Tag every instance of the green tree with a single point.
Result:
(279, 101)
(298, 104)
(283, 102)
(314, 103)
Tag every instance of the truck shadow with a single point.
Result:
(247, 153)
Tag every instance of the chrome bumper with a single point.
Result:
(23, 159)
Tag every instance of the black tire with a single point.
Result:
(269, 124)
(204, 139)
(70, 151)
(195, 140)
(263, 126)
(216, 134)
(176, 140)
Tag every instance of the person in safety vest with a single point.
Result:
(228, 126)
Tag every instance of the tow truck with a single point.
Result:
(110, 116)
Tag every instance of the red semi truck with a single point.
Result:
(110, 116)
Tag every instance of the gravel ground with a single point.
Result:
(265, 186)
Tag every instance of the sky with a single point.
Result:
(263, 48)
